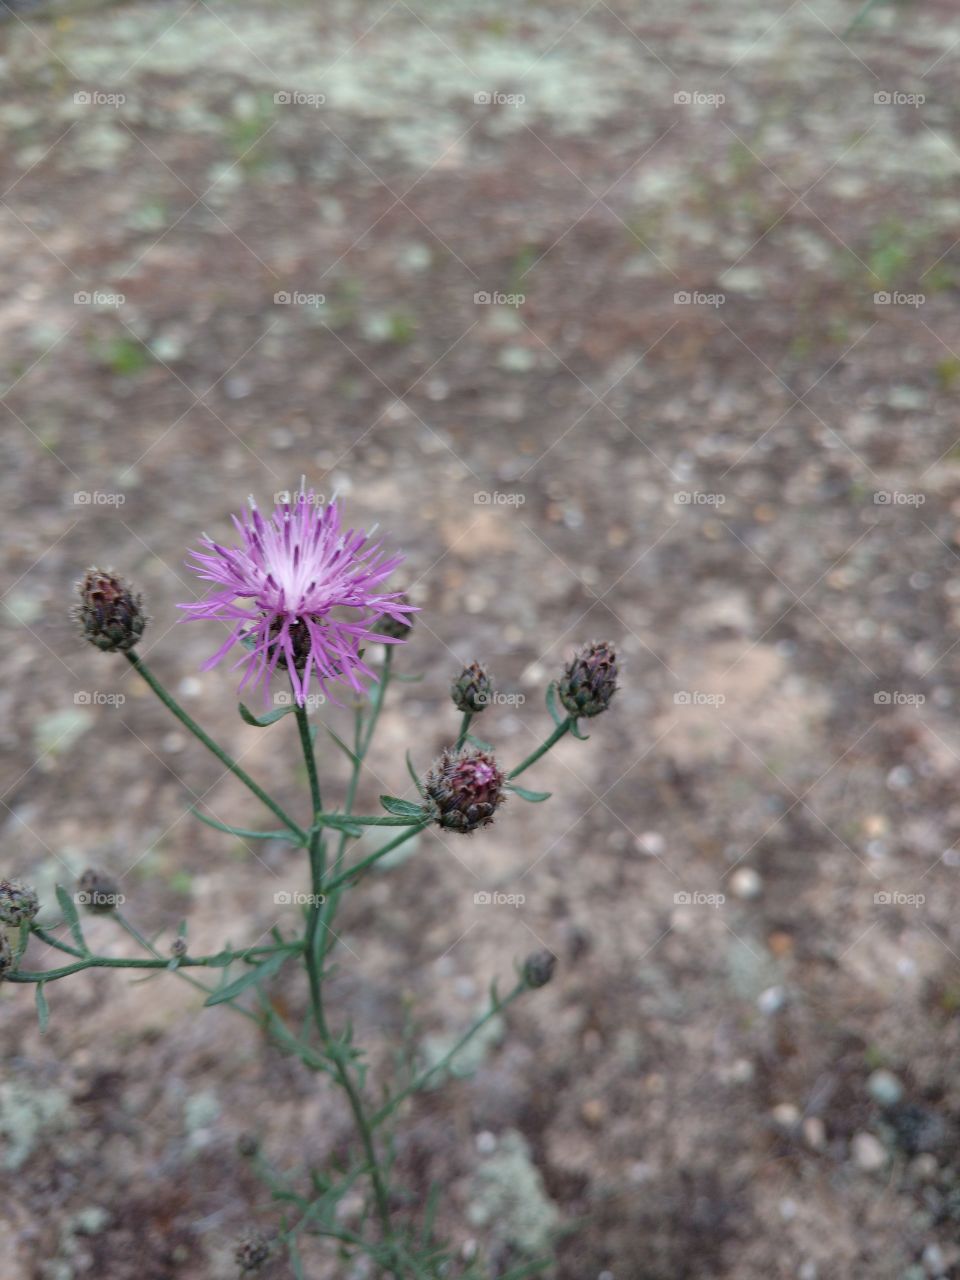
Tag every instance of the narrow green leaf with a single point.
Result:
(43, 1009)
(341, 822)
(557, 715)
(535, 797)
(351, 755)
(69, 909)
(259, 973)
(296, 1266)
(23, 937)
(401, 808)
(575, 730)
(405, 679)
(261, 722)
(411, 769)
(241, 832)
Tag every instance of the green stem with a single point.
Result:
(53, 941)
(161, 962)
(496, 1007)
(374, 857)
(544, 747)
(464, 729)
(227, 760)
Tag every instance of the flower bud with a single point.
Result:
(464, 789)
(538, 969)
(589, 680)
(97, 891)
(109, 614)
(472, 689)
(178, 948)
(6, 955)
(252, 1252)
(18, 902)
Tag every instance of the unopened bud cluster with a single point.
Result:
(18, 902)
(590, 680)
(464, 788)
(109, 614)
(472, 689)
(538, 968)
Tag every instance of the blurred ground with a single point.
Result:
(720, 429)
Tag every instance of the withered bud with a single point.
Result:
(464, 789)
(538, 968)
(98, 892)
(589, 680)
(252, 1252)
(109, 614)
(178, 948)
(18, 902)
(473, 689)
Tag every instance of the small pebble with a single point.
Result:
(772, 1000)
(868, 1152)
(593, 1112)
(934, 1262)
(651, 843)
(924, 1168)
(786, 1115)
(814, 1133)
(746, 883)
(884, 1088)
(486, 1142)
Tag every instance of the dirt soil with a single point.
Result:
(623, 321)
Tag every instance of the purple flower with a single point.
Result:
(298, 593)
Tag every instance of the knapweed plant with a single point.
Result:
(308, 613)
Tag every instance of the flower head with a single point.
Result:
(18, 902)
(472, 690)
(538, 968)
(589, 680)
(298, 593)
(464, 788)
(110, 615)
